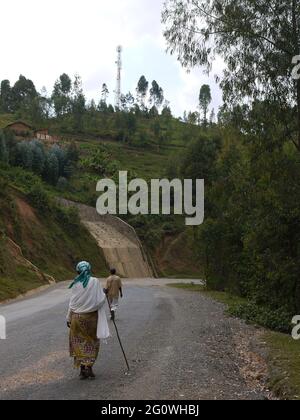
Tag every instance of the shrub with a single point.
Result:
(68, 218)
(39, 198)
(62, 184)
(277, 320)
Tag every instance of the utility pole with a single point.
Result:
(118, 89)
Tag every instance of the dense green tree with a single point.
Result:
(45, 104)
(38, 157)
(78, 104)
(61, 156)
(51, 172)
(126, 124)
(110, 109)
(142, 91)
(47, 163)
(204, 101)
(130, 100)
(23, 89)
(6, 101)
(61, 95)
(23, 94)
(24, 155)
(103, 107)
(200, 158)
(193, 118)
(153, 112)
(104, 93)
(156, 95)
(34, 110)
(166, 113)
(137, 110)
(123, 103)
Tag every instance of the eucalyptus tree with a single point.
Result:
(104, 93)
(156, 95)
(6, 103)
(78, 103)
(204, 101)
(142, 91)
(257, 40)
(61, 95)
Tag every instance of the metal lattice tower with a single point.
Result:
(118, 89)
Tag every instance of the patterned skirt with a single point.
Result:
(84, 344)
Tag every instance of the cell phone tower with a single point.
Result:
(118, 89)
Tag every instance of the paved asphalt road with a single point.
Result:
(179, 345)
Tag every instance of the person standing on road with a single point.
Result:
(114, 289)
(87, 320)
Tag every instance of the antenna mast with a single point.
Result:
(119, 64)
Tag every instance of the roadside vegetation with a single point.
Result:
(282, 350)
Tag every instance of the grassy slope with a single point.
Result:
(44, 241)
(15, 278)
(283, 352)
(146, 163)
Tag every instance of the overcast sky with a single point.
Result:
(43, 39)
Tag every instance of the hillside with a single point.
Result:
(102, 154)
(37, 244)
(105, 156)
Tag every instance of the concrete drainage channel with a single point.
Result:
(118, 240)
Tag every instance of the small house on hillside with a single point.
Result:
(44, 135)
(23, 130)
(42, 132)
(20, 128)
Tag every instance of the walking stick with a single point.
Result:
(118, 335)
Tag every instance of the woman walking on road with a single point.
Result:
(87, 320)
